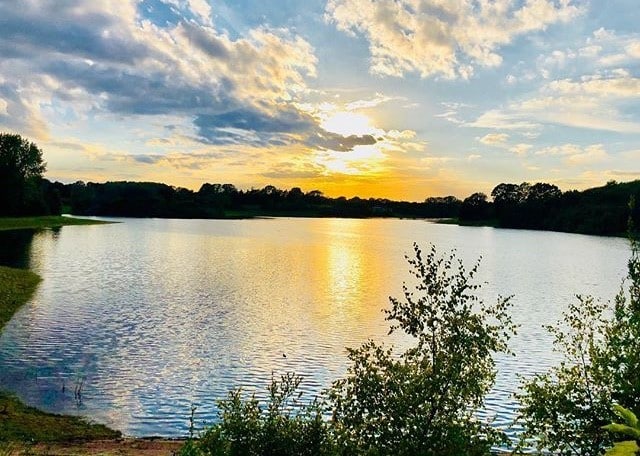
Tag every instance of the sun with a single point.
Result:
(347, 123)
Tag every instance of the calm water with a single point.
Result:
(152, 316)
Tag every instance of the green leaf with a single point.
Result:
(628, 448)
(623, 430)
(627, 415)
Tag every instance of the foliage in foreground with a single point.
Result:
(630, 428)
(421, 401)
(285, 426)
(565, 409)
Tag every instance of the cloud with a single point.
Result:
(521, 149)
(575, 155)
(331, 141)
(107, 58)
(620, 86)
(435, 38)
(494, 138)
(504, 119)
(377, 100)
(451, 113)
(591, 102)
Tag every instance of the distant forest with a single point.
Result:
(602, 210)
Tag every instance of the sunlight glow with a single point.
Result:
(360, 160)
(348, 123)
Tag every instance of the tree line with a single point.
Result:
(542, 206)
(147, 199)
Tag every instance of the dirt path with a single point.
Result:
(122, 447)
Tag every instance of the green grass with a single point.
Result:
(19, 422)
(16, 287)
(49, 221)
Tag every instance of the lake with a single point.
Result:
(150, 316)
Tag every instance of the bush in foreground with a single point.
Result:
(283, 426)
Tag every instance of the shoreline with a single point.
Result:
(27, 430)
(45, 222)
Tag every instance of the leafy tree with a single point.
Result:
(422, 401)
(564, 409)
(21, 169)
(475, 207)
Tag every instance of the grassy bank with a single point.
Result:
(19, 422)
(49, 221)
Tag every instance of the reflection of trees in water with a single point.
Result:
(16, 248)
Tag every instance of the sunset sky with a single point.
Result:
(390, 98)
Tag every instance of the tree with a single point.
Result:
(21, 169)
(475, 207)
(423, 400)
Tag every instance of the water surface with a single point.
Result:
(150, 316)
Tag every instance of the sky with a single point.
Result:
(401, 99)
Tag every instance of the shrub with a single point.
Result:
(283, 426)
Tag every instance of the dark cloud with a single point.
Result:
(61, 27)
(148, 159)
(287, 120)
(333, 141)
(212, 45)
(261, 129)
(128, 92)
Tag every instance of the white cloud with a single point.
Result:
(591, 102)
(433, 37)
(575, 155)
(521, 149)
(494, 138)
(503, 119)
(633, 49)
(377, 100)
(621, 85)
